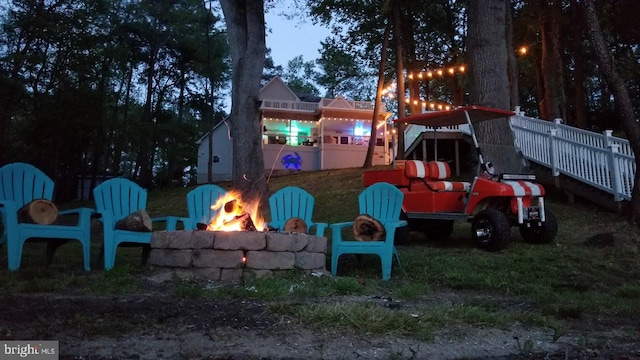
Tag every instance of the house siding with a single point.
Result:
(222, 149)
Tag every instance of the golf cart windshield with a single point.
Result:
(458, 116)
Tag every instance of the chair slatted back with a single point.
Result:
(120, 197)
(290, 202)
(382, 201)
(23, 183)
(200, 201)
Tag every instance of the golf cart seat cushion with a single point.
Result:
(438, 170)
(430, 175)
(449, 185)
(416, 169)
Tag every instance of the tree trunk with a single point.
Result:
(40, 211)
(489, 81)
(621, 98)
(397, 34)
(579, 96)
(246, 33)
(512, 61)
(368, 160)
(553, 85)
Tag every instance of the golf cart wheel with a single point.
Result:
(402, 233)
(436, 230)
(490, 229)
(542, 234)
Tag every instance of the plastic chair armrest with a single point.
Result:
(171, 221)
(339, 226)
(320, 228)
(83, 211)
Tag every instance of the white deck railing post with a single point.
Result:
(615, 172)
(552, 152)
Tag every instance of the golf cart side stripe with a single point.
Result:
(518, 190)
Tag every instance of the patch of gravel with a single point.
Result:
(155, 326)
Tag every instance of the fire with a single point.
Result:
(235, 215)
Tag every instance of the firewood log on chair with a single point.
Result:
(137, 221)
(295, 225)
(39, 211)
(367, 228)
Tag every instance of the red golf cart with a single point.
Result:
(491, 202)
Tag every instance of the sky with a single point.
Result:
(290, 38)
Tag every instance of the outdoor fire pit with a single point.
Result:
(236, 255)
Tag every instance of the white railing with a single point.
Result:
(289, 105)
(312, 106)
(356, 105)
(603, 161)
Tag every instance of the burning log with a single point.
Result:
(231, 206)
(40, 211)
(246, 224)
(201, 226)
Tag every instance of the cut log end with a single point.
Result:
(367, 228)
(39, 211)
(295, 225)
(137, 221)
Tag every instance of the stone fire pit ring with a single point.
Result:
(235, 255)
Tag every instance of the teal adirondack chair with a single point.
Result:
(20, 184)
(115, 199)
(199, 202)
(383, 202)
(293, 202)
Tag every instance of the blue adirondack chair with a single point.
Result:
(20, 184)
(116, 199)
(199, 202)
(383, 202)
(293, 202)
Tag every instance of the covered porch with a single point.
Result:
(329, 134)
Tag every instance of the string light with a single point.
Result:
(429, 105)
(452, 70)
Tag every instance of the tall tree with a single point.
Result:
(246, 31)
(299, 75)
(398, 39)
(368, 160)
(622, 100)
(552, 104)
(489, 82)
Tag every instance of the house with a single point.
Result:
(303, 133)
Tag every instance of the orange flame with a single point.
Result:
(229, 207)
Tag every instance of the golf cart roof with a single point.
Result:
(456, 116)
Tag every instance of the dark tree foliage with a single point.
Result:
(118, 87)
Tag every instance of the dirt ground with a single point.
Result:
(152, 325)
